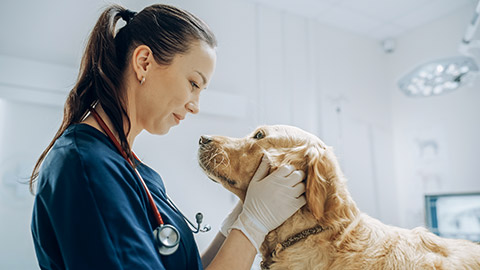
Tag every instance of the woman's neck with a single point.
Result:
(90, 120)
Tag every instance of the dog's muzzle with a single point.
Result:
(204, 140)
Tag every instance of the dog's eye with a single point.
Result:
(259, 135)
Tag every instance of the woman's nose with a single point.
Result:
(192, 107)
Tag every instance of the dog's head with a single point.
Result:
(233, 161)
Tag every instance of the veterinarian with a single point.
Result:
(96, 205)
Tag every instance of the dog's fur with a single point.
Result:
(352, 239)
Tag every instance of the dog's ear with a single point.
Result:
(326, 192)
(316, 188)
(324, 187)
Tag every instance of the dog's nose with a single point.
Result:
(204, 140)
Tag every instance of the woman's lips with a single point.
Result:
(177, 118)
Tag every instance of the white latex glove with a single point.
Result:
(231, 218)
(270, 200)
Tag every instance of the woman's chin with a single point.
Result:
(161, 130)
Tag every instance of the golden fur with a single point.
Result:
(353, 240)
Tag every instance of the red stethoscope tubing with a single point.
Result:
(105, 128)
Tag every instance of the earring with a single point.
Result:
(142, 81)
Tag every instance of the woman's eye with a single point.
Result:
(194, 85)
(259, 135)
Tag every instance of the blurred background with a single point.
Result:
(331, 67)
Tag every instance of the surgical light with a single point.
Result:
(439, 76)
(445, 75)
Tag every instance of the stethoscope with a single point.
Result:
(167, 237)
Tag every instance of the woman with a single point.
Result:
(97, 206)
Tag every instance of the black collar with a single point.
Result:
(291, 241)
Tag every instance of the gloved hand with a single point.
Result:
(270, 200)
(231, 218)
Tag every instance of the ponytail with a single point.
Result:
(98, 81)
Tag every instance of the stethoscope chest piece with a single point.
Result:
(167, 238)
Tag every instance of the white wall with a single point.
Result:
(26, 130)
(451, 120)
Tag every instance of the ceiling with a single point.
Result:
(379, 19)
(56, 30)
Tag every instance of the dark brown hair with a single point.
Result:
(165, 29)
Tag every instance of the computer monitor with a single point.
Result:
(454, 215)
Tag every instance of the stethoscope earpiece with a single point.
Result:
(206, 228)
(198, 219)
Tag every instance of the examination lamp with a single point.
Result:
(445, 75)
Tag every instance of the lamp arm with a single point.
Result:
(472, 27)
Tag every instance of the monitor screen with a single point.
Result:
(454, 215)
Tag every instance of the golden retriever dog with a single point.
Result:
(329, 232)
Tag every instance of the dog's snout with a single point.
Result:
(204, 140)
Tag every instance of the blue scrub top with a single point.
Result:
(91, 211)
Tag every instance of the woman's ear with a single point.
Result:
(316, 188)
(142, 58)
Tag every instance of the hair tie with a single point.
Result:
(127, 15)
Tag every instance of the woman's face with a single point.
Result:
(171, 92)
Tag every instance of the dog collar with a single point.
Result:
(291, 241)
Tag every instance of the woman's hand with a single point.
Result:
(270, 200)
